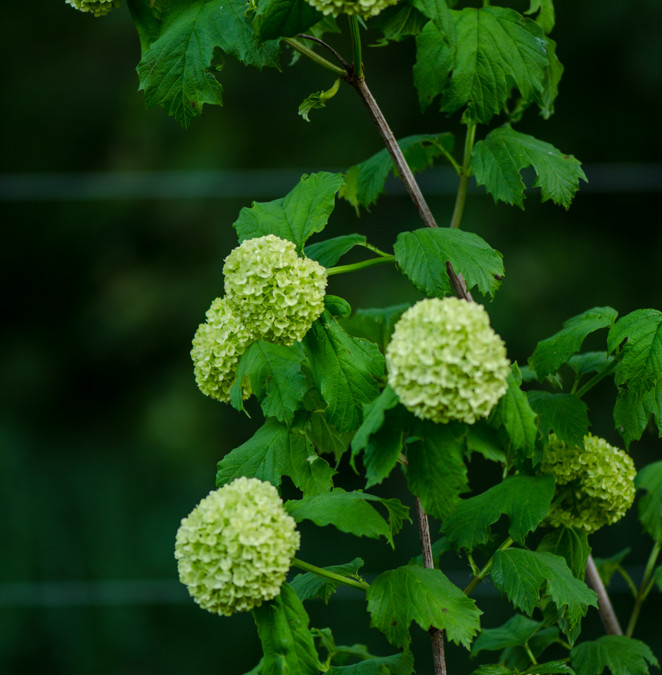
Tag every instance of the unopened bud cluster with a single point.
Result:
(445, 362)
(96, 7)
(364, 8)
(235, 548)
(595, 483)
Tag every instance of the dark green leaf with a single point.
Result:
(649, 479)
(287, 643)
(328, 252)
(147, 20)
(337, 306)
(375, 325)
(526, 575)
(553, 75)
(398, 23)
(564, 414)
(499, 158)
(589, 362)
(485, 441)
(309, 585)
(325, 437)
(570, 544)
(398, 597)
(516, 631)
(284, 18)
(373, 418)
(275, 451)
(434, 63)
(422, 256)
(658, 577)
(607, 567)
(550, 354)
(398, 664)
(304, 211)
(345, 370)
(622, 655)
(441, 16)
(549, 668)
(492, 669)
(524, 499)
(546, 16)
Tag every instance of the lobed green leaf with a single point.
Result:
(328, 252)
(308, 585)
(570, 544)
(518, 630)
(398, 664)
(283, 18)
(376, 324)
(622, 655)
(649, 507)
(564, 414)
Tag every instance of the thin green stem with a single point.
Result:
(341, 269)
(374, 249)
(487, 567)
(647, 584)
(314, 56)
(332, 576)
(628, 580)
(357, 50)
(607, 370)
(529, 653)
(465, 174)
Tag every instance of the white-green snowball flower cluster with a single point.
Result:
(235, 548)
(97, 7)
(445, 362)
(364, 8)
(595, 483)
(273, 290)
(217, 346)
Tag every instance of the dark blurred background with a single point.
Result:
(115, 223)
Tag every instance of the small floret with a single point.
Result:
(96, 7)
(364, 8)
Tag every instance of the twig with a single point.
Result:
(607, 614)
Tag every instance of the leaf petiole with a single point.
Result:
(647, 584)
(608, 369)
(465, 174)
(314, 56)
(332, 576)
(341, 269)
(487, 567)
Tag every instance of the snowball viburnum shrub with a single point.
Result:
(97, 7)
(217, 346)
(596, 483)
(445, 362)
(274, 290)
(235, 548)
(364, 8)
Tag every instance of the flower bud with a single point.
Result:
(364, 8)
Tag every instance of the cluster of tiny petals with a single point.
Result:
(217, 346)
(598, 480)
(364, 8)
(445, 362)
(276, 292)
(235, 548)
(97, 7)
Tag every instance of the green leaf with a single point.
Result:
(373, 418)
(589, 362)
(436, 472)
(484, 440)
(325, 437)
(147, 20)
(658, 577)
(422, 256)
(524, 499)
(275, 451)
(365, 181)
(398, 664)
(499, 158)
(622, 655)
(553, 75)
(337, 306)
(304, 211)
(564, 414)
(375, 325)
(524, 575)
(549, 668)
(308, 585)
(441, 16)
(275, 375)
(497, 50)
(398, 23)
(287, 643)
(550, 354)
(516, 631)
(344, 369)
(607, 567)
(546, 17)
(492, 669)
(649, 506)
(398, 597)
(570, 544)
(317, 100)
(284, 18)
(350, 512)
(328, 252)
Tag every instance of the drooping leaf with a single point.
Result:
(284, 18)
(484, 440)
(518, 630)
(441, 16)
(373, 418)
(287, 643)
(528, 576)
(564, 414)
(649, 506)
(570, 544)
(309, 585)
(147, 20)
(275, 451)
(498, 159)
(551, 353)
(275, 375)
(364, 182)
(546, 15)
(398, 664)
(328, 252)
(589, 362)
(302, 212)
(422, 255)
(325, 437)
(375, 325)
(553, 74)
(344, 369)
(398, 597)
(398, 22)
(622, 655)
(317, 100)
(524, 499)
(337, 306)
(350, 512)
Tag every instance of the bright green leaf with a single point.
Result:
(398, 597)
(328, 252)
(516, 631)
(309, 585)
(649, 506)
(622, 655)
(317, 100)
(564, 414)
(546, 17)
(398, 664)
(524, 499)
(570, 544)
(422, 256)
(284, 18)
(304, 211)
(337, 306)
(498, 159)
(375, 325)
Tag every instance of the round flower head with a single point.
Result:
(596, 483)
(275, 291)
(97, 7)
(235, 548)
(445, 362)
(217, 346)
(364, 8)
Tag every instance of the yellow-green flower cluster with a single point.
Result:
(595, 483)
(364, 8)
(235, 548)
(97, 7)
(273, 290)
(445, 362)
